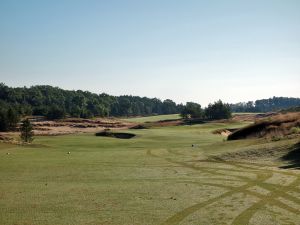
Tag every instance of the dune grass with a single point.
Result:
(156, 177)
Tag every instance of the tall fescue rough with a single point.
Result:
(274, 126)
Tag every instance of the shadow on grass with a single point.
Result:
(293, 157)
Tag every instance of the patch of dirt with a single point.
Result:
(76, 125)
(115, 135)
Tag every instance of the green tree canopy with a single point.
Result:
(192, 110)
(26, 131)
(9, 118)
(54, 103)
(218, 110)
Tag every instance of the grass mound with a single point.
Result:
(274, 126)
(115, 135)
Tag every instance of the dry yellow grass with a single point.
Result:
(280, 125)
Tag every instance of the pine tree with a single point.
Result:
(3, 121)
(26, 131)
(13, 118)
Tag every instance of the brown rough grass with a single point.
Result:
(274, 126)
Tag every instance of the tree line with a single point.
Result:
(266, 105)
(56, 103)
(214, 111)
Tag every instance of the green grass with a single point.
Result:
(154, 178)
(153, 118)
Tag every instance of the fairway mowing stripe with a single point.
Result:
(259, 181)
(221, 162)
(243, 167)
(265, 199)
(237, 164)
(244, 216)
(260, 176)
(175, 219)
(184, 213)
(276, 193)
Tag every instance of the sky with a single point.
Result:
(201, 51)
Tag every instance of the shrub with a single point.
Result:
(295, 130)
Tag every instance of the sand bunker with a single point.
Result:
(115, 135)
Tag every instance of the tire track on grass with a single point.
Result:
(179, 216)
(253, 193)
(245, 215)
(258, 171)
(268, 186)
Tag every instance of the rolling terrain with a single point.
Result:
(167, 175)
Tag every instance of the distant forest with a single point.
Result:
(55, 103)
(266, 105)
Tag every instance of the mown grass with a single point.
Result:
(155, 178)
(153, 118)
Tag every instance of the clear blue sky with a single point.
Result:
(183, 50)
